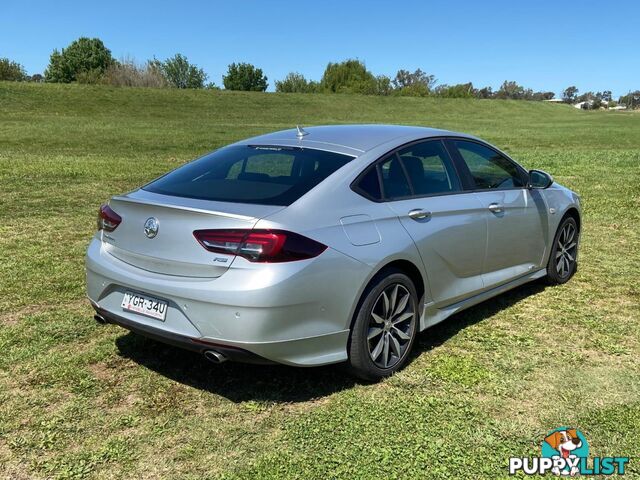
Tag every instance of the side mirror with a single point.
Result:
(539, 179)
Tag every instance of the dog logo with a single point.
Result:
(568, 444)
(151, 227)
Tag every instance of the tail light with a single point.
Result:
(269, 246)
(108, 220)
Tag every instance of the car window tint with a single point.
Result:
(488, 168)
(251, 174)
(429, 168)
(394, 181)
(370, 185)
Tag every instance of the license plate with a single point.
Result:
(145, 305)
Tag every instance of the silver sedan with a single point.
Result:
(327, 244)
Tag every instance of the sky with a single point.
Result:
(544, 45)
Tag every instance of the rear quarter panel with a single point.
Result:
(373, 236)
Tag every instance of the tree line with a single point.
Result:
(88, 60)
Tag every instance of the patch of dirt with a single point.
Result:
(113, 378)
(548, 391)
(12, 318)
(9, 468)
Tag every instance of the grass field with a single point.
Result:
(79, 400)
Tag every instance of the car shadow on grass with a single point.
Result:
(435, 336)
(237, 382)
(240, 382)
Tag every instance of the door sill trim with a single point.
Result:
(433, 315)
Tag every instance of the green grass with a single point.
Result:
(78, 400)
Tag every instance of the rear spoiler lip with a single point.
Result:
(120, 198)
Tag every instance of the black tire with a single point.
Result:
(393, 329)
(563, 260)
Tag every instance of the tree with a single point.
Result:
(12, 71)
(604, 96)
(543, 95)
(128, 73)
(485, 92)
(416, 83)
(631, 99)
(245, 77)
(86, 58)
(569, 94)
(511, 90)
(586, 97)
(179, 73)
(461, 90)
(383, 85)
(296, 83)
(349, 76)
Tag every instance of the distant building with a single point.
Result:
(591, 103)
(554, 100)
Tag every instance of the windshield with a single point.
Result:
(269, 175)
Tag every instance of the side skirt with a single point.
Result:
(431, 315)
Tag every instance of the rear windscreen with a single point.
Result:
(251, 174)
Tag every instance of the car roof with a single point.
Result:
(354, 139)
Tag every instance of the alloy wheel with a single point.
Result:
(391, 324)
(567, 250)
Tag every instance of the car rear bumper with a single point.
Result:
(187, 343)
(292, 314)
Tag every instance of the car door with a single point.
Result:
(516, 215)
(423, 189)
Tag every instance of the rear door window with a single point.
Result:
(419, 170)
(269, 175)
(429, 168)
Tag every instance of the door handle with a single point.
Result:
(496, 208)
(419, 214)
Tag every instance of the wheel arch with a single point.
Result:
(409, 268)
(575, 214)
(571, 211)
(552, 277)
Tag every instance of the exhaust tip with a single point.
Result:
(100, 319)
(215, 357)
